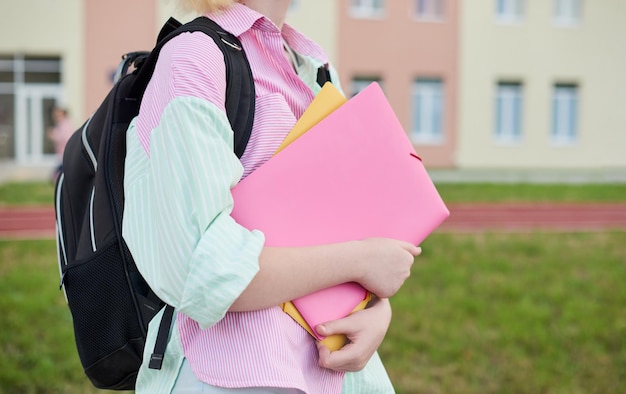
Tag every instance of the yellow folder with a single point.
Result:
(332, 342)
(326, 101)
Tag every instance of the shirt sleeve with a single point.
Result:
(177, 220)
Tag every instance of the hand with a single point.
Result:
(387, 265)
(365, 330)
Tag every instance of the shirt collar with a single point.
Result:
(238, 19)
(303, 45)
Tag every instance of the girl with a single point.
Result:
(229, 335)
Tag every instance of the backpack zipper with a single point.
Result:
(94, 162)
(92, 229)
(87, 147)
(62, 254)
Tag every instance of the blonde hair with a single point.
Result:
(205, 6)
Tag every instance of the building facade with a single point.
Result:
(411, 49)
(542, 84)
(477, 84)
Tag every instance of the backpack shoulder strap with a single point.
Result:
(240, 105)
(323, 75)
(240, 96)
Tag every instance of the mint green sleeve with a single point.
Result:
(372, 379)
(177, 220)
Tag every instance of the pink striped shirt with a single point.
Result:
(282, 96)
(261, 348)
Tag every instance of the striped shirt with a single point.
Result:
(180, 167)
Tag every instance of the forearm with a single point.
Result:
(289, 273)
(380, 265)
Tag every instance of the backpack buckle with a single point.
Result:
(156, 361)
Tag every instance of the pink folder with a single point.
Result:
(354, 175)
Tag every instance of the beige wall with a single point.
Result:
(398, 48)
(170, 8)
(539, 54)
(48, 28)
(317, 19)
(90, 36)
(469, 50)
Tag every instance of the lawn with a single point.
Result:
(36, 337)
(482, 313)
(512, 313)
(37, 193)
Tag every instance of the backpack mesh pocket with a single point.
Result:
(101, 302)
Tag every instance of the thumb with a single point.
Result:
(415, 250)
(339, 326)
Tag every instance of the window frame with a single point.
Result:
(572, 17)
(428, 111)
(565, 115)
(434, 10)
(509, 113)
(360, 82)
(512, 11)
(367, 9)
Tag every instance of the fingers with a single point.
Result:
(347, 359)
(365, 330)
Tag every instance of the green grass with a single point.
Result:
(26, 193)
(481, 313)
(38, 193)
(512, 313)
(36, 335)
(524, 192)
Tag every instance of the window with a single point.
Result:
(564, 113)
(567, 12)
(429, 9)
(29, 87)
(508, 112)
(510, 11)
(42, 69)
(367, 8)
(360, 83)
(30, 69)
(427, 111)
(7, 73)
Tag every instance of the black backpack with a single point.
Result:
(110, 302)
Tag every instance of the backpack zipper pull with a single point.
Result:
(228, 39)
(231, 44)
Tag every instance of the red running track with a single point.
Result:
(27, 223)
(565, 217)
(38, 222)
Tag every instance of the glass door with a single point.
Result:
(33, 107)
(7, 126)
